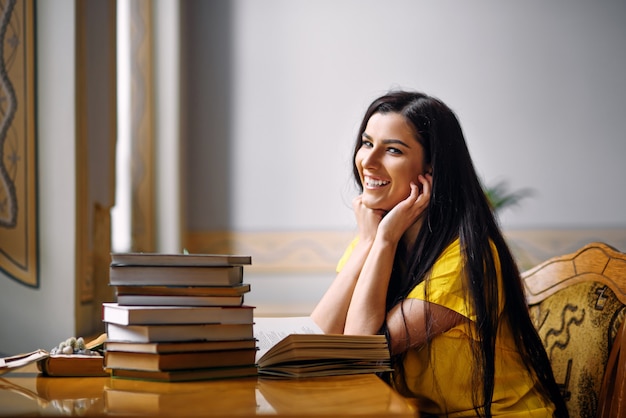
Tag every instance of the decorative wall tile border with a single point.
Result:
(319, 251)
(272, 251)
(534, 246)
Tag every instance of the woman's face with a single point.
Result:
(389, 159)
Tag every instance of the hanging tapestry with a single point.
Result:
(18, 171)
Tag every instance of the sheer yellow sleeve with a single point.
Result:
(445, 286)
(346, 255)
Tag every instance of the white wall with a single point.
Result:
(41, 318)
(276, 90)
(538, 86)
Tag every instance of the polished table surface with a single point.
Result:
(24, 392)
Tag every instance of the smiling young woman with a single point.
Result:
(431, 270)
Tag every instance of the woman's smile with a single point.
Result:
(389, 160)
(374, 183)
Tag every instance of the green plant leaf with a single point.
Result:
(501, 197)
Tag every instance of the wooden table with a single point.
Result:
(26, 393)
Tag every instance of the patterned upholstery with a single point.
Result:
(578, 303)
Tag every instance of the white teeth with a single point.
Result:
(375, 183)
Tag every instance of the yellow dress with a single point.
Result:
(443, 384)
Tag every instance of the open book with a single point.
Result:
(56, 364)
(11, 363)
(60, 364)
(297, 347)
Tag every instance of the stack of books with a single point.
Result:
(179, 317)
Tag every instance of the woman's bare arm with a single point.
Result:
(330, 312)
(368, 311)
(406, 323)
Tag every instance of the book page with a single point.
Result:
(270, 330)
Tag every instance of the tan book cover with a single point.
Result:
(179, 346)
(66, 365)
(178, 361)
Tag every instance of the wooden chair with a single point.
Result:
(578, 305)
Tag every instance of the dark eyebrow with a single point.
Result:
(387, 141)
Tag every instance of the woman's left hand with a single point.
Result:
(406, 213)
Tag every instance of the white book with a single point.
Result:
(165, 333)
(146, 315)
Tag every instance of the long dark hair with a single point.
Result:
(459, 209)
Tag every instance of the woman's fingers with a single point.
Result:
(367, 219)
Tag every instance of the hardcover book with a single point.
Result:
(163, 300)
(161, 259)
(175, 275)
(237, 290)
(178, 361)
(72, 365)
(146, 315)
(180, 346)
(178, 332)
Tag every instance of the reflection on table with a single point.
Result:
(28, 393)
